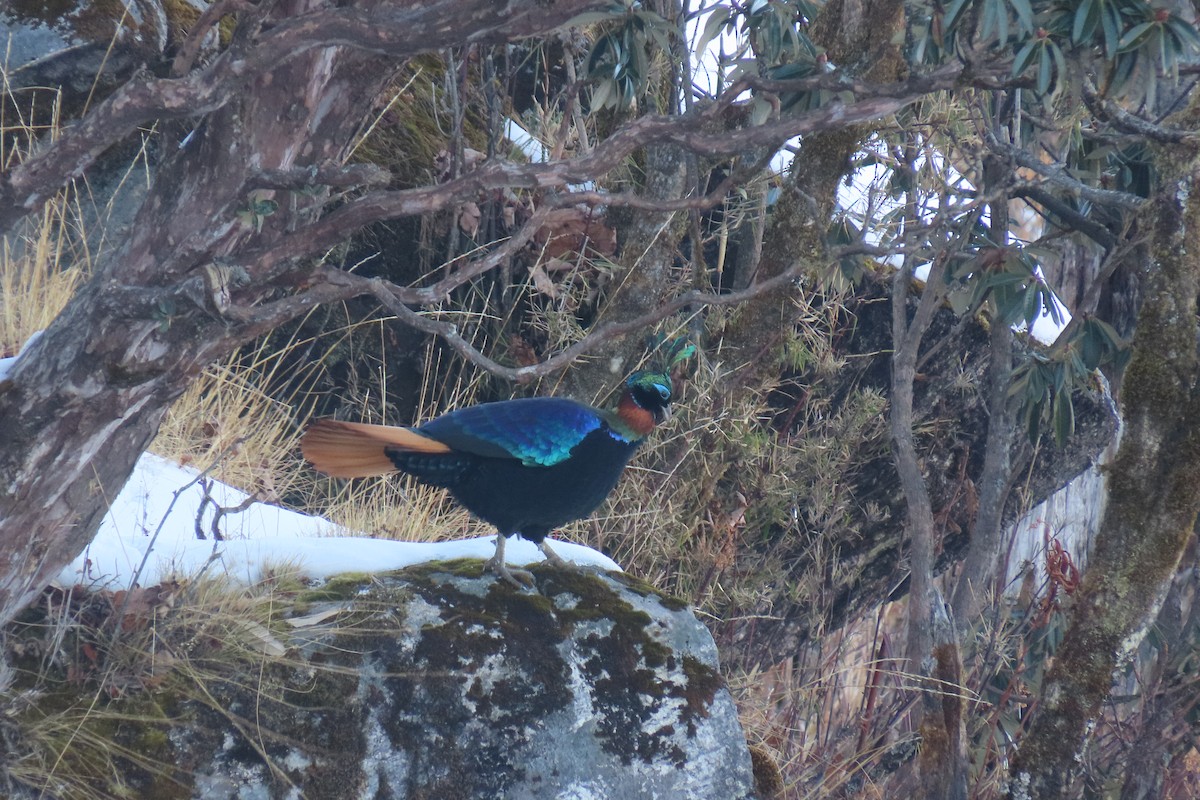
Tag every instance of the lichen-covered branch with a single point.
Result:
(386, 30)
(82, 404)
(1154, 494)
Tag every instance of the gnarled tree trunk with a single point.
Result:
(279, 108)
(1154, 493)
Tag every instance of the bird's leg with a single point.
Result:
(555, 560)
(519, 578)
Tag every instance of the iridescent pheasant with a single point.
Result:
(525, 466)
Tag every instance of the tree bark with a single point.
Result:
(1154, 495)
(979, 568)
(86, 399)
(934, 660)
(1166, 718)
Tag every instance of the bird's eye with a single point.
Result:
(663, 391)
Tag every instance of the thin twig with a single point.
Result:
(137, 574)
(1059, 177)
(388, 295)
(1131, 123)
(335, 176)
(212, 15)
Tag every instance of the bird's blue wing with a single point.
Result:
(538, 431)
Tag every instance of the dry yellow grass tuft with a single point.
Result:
(39, 274)
(230, 421)
(101, 677)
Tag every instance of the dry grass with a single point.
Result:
(49, 256)
(243, 419)
(400, 509)
(229, 420)
(103, 677)
(39, 273)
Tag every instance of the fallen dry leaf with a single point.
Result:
(542, 282)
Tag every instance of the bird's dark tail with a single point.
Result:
(358, 450)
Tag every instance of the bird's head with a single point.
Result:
(650, 391)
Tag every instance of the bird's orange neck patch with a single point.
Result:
(639, 420)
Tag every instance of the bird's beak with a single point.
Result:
(662, 414)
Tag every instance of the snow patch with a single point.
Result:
(6, 364)
(150, 534)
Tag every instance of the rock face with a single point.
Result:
(586, 690)
(437, 683)
(88, 48)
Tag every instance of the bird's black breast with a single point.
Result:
(529, 500)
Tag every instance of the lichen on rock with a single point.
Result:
(434, 682)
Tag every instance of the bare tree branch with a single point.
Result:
(687, 131)
(1058, 176)
(200, 30)
(1067, 216)
(30, 183)
(343, 285)
(400, 32)
(336, 176)
(1131, 123)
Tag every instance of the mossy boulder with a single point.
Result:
(438, 682)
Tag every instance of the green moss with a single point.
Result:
(182, 16)
(647, 589)
(458, 567)
(153, 740)
(528, 607)
(768, 778)
(410, 135)
(225, 29)
(703, 683)
(346, 586)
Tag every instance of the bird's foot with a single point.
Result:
(555, 560)
(520, 578)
